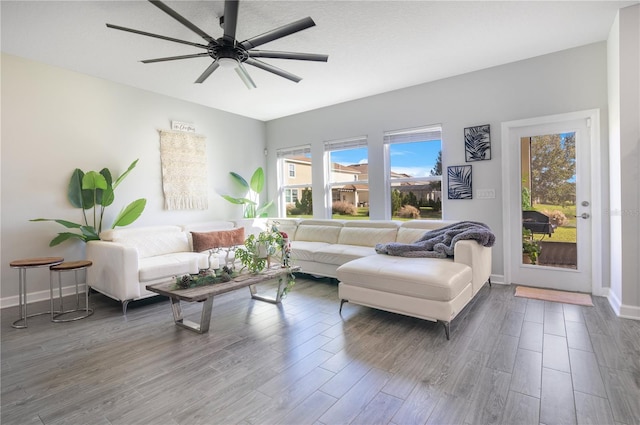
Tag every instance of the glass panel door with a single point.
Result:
(548, 176)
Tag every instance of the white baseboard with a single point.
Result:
(629, 312)
(622, 310)
(33, 297)
(498, 279)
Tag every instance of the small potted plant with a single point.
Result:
(258, 249)
(530, 247)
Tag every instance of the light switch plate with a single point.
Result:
(485, 194)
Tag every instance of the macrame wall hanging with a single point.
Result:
(184, 170)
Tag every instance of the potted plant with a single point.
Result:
(255, 186)
(95, 191)
(530, 247)
(257, 251)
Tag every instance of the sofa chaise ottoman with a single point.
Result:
(435, 289)
(426, 288)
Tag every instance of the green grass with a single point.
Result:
(561, 234)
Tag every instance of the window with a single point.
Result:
(347, 174)
(291, 196)
(294, 182)
(414, 160)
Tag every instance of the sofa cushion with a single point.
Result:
(316, 233)
(203, 241)
(304, 250)
(339, 254)
(411, 231)
(169, 265)
(366, 236)
(429, 278)
(150, 241)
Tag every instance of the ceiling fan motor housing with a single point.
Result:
(226, 50)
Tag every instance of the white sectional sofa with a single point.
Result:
(436, 289)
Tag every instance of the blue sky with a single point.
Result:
(414, 159)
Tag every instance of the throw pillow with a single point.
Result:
(203, 241)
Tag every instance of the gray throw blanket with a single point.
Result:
(439, 243)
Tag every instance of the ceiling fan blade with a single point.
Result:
(230, 20)
(277, 33)
(173, 58)
(184, 21)
(273, 69)
(287, 55)
(208, 72)
(245, 77)
(162, 37)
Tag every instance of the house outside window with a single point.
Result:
(346, 168)
(294, 181)
(413, 162)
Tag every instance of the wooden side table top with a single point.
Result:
(71, 265)
(200, 293)
(36, 262)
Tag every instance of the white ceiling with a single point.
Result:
(373, 46)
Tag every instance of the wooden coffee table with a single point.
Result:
(206, 293)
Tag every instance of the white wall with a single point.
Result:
(624, 116)
(54, 121)
(566, 81)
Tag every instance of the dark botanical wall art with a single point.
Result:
(477, 143)
(459, 182)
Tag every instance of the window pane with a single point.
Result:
(415, 174)
(349, 178)
(295, 181)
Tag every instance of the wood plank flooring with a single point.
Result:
(509, 361)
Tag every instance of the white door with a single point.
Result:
(570, 265)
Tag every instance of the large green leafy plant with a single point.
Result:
(254, 186)
(95, 191)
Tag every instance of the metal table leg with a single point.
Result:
(22, 301)
(205, 318)
(265, 298)
(56, 316)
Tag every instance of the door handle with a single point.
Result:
(585, 215)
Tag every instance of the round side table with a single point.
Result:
(22, 266)
(58, 269)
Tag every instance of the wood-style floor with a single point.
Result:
(510, 360)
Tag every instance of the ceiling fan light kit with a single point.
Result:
(226, 51)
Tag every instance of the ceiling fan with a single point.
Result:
(226, 51)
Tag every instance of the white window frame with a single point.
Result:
(334, 146)
(281, 155)
(292, 170)
(430, 133)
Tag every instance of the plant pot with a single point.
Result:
(262, 250)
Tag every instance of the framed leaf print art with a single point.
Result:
(477, 143)
(459, 182)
